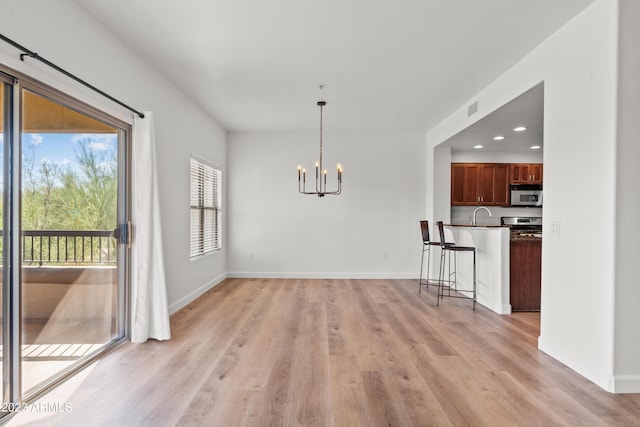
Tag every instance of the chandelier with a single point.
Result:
(321, 174)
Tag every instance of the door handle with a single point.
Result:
(124, 234)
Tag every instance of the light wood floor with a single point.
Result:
(336, 352)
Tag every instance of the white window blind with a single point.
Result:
(205, 208)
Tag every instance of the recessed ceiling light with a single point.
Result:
(535, 147)
(477, 146)
(498, 138)
(520, 129)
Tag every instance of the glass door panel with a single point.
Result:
(69, 248)
(3, 138)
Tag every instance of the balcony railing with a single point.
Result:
(68, 247)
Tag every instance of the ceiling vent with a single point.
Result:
(473, 108)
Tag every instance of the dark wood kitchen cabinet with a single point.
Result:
(526, 173)
(475, 184)
(464, 183)
(525, 274)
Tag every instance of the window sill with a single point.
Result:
(197, 257)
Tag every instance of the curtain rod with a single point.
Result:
(32, 54)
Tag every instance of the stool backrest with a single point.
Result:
(443, 243)
(424, 227)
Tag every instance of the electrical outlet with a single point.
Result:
(251, 255)
(385, 255)
(555, 228)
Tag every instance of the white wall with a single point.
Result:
(533, 156)
(578, 67)
(627, 267)
(77, 42)
(293, 235)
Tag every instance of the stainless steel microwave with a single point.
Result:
(529, 195)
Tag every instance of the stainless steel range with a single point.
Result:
(523, 225)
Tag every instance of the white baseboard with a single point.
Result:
(625, 383)
(306, 275)
(601, 379)
(195, 294)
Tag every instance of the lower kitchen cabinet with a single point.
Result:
(525, 276)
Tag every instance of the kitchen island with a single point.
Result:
(492, 263)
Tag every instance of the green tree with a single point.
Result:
(75, 197)
(87, 200)
(39, 178)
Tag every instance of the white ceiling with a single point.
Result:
(403, 65)
(526, 110)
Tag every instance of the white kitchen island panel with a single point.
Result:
(492, 264)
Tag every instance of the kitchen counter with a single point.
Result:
(492, 263)
(477, 226)
(527, 236)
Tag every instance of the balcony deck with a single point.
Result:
(67, 313)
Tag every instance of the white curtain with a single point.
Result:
(149, 306)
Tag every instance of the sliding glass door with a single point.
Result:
(5, 134)
(65, 210)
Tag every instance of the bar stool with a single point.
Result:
(426, 247)
(449, 247)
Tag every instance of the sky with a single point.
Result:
(59, 148)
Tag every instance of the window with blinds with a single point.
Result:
(205, 208)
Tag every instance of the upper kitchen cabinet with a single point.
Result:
(526, 173)
(465, 183)
(474, 184)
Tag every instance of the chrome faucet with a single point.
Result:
(476, 212)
